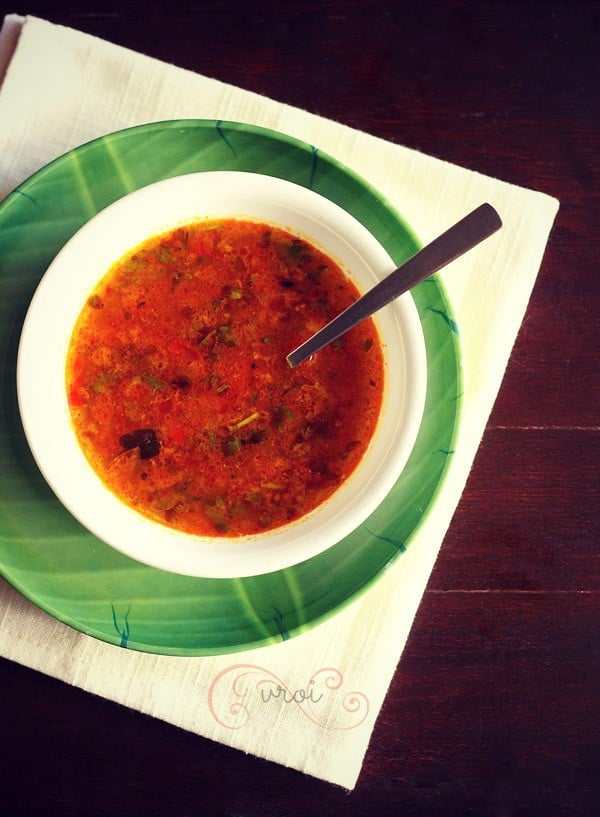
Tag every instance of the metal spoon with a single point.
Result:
(457, 240)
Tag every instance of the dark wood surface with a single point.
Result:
(495, 705)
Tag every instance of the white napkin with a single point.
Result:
(62, 88)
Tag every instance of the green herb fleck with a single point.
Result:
(226, 335)
(231, 446)
(247, 420)
(153, 382)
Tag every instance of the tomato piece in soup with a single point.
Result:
(179, 389)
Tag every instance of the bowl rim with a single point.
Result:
(307, 543)
(38, 557)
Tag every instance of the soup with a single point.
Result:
(179, 389)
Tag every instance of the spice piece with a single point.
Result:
(180, 353)
(143, 438)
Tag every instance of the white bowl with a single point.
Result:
(61, 295)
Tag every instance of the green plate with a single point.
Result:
(72, 575)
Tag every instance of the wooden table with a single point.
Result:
(494, 708)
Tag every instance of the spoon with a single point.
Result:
(457, 240)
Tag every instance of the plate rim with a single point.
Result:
(351, 597)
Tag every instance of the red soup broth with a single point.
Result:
(179, 389)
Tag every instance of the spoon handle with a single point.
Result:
(457, 240)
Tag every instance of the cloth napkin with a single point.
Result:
(62, 88)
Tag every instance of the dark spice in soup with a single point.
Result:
(180, 393)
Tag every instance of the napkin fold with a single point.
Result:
(61, 88)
